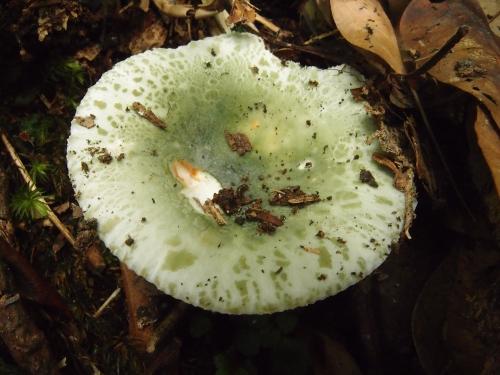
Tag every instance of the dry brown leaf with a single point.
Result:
(472, 65)
(364, 24)
(241, 12)
(489, 142)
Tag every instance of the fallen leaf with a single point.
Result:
(489, 142)
(472, 64)
(364, 24)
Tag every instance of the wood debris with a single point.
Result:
(238, 142)
(210, 208)
(267, 221)
(147, 114)
(230, 200)
(292, 196)
(366, 177)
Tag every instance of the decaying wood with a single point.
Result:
(142, 310)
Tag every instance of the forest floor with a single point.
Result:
(67, 305)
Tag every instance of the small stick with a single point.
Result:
(31, 185)
(268, 24)
(106, 303)
(319, 37)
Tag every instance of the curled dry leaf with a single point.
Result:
(472, 64)
(489, 142)
(364, 24)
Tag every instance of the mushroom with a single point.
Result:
(152, 188)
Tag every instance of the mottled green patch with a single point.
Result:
(325, 258)
(242, 263)
(345, 195)
(174, 241)
(100, 104)
(351, 205)
(279, 254)
(241, 285)
(177, 260)
(361, 263)
(383, 200)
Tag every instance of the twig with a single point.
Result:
(268, 24)
(319, 37)
(304, 49)
(31, 185)
(167, 325)
(106, 303)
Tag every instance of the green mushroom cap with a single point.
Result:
(168, 107)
